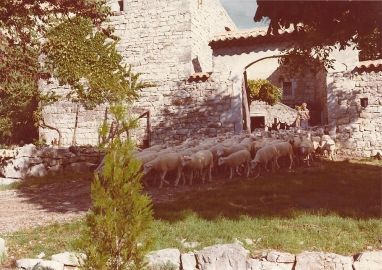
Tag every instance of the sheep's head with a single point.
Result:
(220, 152)
(147, 168)
(220, 161)
(185, 160)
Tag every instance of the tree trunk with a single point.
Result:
(247, 117)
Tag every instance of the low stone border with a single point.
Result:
(227, 257)
(236, 257)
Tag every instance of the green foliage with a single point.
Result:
(122, 123)
(88, 61)
(263, 90)
(23, 23)
(18, 93)
(320, 25)
(117, 234)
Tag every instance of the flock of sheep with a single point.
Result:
(241, 154)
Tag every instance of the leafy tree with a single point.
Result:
(117, 234)
(322, 24)
(23, 26)
(263, 90)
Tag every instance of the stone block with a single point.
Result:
(254, 264)
(157, 259)
(69, 258)
(368, 261)
(38, 170)
(323, 261)
(281, 257)
(188, 261)
(227, 257)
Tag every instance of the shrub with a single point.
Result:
(117, 232)
(263, 90)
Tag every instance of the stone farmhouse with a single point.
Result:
(199, 62)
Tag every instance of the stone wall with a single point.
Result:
(309, 87)
(159, 40)
(283, 113)
(204, 24)
(359, 129)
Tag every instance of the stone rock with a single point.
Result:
(15, 168)
(254, 264)
(51, 265)
(323, 261)
(188, 261)
(281, 257)
(8, 181)
(79, 167)
(27, 264)
(3, 249)
(69, 258)
(27, 150)
(7, 153)
(56, 169)
(368, 261)
(218, 257)
(37, 171)
(158, 258)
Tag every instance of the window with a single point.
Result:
(120, 3)
(287, 89)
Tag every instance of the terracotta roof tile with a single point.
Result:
(244, 37)
(199, 76)
(369, 65)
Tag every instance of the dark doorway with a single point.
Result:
(257, 122)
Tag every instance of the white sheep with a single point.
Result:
(235, 160)
(163, 164)
(329, 145)
(201, 162)
(263, 156)
(306, 149)
(226, 151)
(154, 148)
(284, 149)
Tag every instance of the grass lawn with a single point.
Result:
(333, 207)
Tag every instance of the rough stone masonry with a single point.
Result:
(167, 42)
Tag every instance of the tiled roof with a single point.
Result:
(369, 65)
(246, 37)
(199, 76)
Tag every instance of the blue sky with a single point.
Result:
(242, 12)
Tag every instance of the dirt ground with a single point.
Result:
(40, 205)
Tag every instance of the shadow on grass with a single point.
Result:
(345, 189)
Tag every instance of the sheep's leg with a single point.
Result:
(210, 173)
(308, 160)
(230, 173)
(277, 164)
(162, 176)
(266, 166)
(191, 177)
(237, 171)
(183, 178)
(203, 176)
(178, 174)
(291, 161)
(259, 171)
(248, 169)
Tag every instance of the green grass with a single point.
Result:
(10, 186)
(335, 207)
